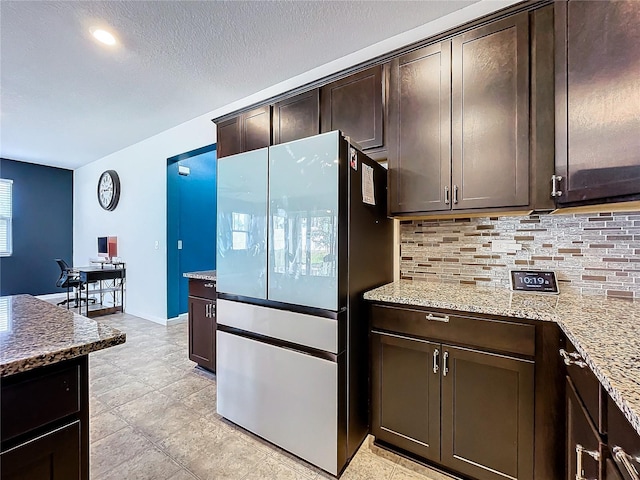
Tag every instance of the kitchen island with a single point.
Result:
(45, 388)
(580, 350)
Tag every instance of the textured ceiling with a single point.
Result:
(67, 100)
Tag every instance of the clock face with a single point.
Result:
(109, 190)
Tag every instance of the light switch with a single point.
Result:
(179, 244)
(156, 245)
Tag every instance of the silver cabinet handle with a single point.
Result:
(446, 195)
(436, 354)
(444, 318)
(579, 451)
(625, 459)
(572, 358)
(555, 179)
(209, 285)
(455, 194)
(445, 364)
(206, 310)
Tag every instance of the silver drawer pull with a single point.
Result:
(444, 318)
(625, 459)
(209, 285)
(572, 358)
(436, 353)
(579, 451)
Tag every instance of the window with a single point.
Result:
(240, 228)
(5, 217)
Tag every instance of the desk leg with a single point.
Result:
(87, 302)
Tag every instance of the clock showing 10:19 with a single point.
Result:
(109, 190)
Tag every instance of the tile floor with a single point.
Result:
(153, 416)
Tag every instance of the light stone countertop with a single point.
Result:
(606, 331)
(203, 275)
(34, 333)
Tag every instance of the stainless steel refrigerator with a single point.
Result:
(302, 233)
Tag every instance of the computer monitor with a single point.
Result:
(112, 246)
(103, 247)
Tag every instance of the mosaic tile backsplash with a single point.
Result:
(593, 254)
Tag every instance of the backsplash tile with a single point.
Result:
(594, 254)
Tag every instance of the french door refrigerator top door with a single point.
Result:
(242, 224)
(303, 221)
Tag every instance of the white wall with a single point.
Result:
(140, 218)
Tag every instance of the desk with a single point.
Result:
(110, 282)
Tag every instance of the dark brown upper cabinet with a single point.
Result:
(490, 115)
(471, 120)
(246, 131)
(597, 101)
(296, 117)
(354, 104)
(420, 130)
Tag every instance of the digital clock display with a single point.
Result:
(534, 281)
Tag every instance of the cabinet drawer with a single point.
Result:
(623, 440)
(587, 387)
(496, 335)
(22, 401)
(202, 288)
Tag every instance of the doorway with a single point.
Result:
(191, 222)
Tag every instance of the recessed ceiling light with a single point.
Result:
(103, 36)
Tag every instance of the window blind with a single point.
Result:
(6, 209)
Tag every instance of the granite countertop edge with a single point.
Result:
(29, 363)
(380, 295)
(202, 275)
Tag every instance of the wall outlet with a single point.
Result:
(505, 246)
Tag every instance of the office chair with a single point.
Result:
(69, 280)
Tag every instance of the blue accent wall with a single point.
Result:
(42, 227)
(191, 217)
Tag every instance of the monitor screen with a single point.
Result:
(103, 250)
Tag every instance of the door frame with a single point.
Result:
(173, 230)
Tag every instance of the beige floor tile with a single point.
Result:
(150, 464)
(182, 475)
(229, 458)
(172, 419)
(269, 468)
(103, 369)
(150, 405)
(185, 386)
(203, 401)
(104, 424)
(124, 393)
(366, 466)
(195, 439)
(96, 407)
(423, 471)
(114, 449)
(101, 385)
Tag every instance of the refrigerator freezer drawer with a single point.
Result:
(307, 330)
(284, 396)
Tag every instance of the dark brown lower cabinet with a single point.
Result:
(465, 409)
(406, 394)
(583, 439)
(52, 456)
(45, 423)
(487, 414)
(202, 323)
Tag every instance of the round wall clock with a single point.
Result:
(109, 190)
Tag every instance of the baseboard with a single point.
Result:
(183, 317)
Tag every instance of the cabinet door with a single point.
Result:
(405, 400)
(228, 137)
(202, 332)
(256, 128)
(241, 241)
(581, 433)
(354, 105)
(296, 117)
(52, 456)
(490, 115)
(597, 99)
(487, 414)
(420, 130)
